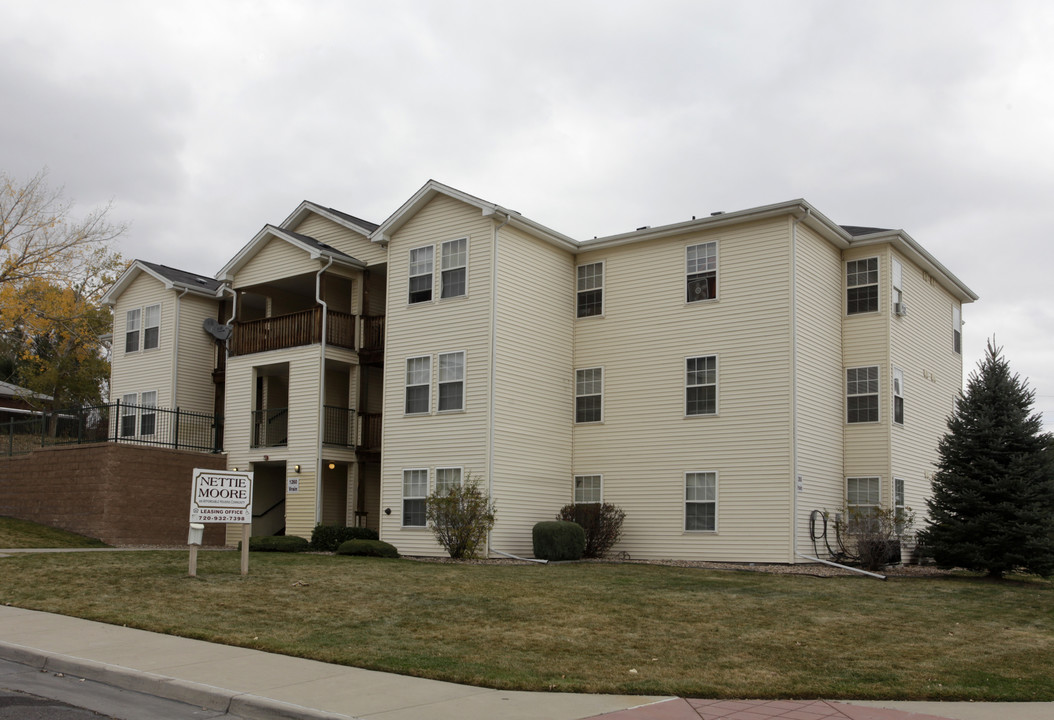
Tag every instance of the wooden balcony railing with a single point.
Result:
(292, 330)
(372, 332)
(371, 431)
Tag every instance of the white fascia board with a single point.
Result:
(921, 257)
(297, 217)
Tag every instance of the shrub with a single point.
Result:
(601, 521)
(872, 537)
(327, 538)
(278, 543)
(368, 548)
(461, 517)
(558, 540)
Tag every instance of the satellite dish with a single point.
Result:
(220, 332)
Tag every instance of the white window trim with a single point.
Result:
(574, 489)
(957, 329)
(878, 481)
(877, 394)
(404, 497)
(574, 408)
(896, 272)
(896, 378)
(716, 271)
(143, 405)
(407, 386)
(460, 474)
(463, 381)
(138, 329)
(455, 267)
(685, 501)
(409, 277)
(717, 386)
(146, 327)
(603, 293)
(877, 285)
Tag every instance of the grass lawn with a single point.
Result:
(24, 534)
(580, 627)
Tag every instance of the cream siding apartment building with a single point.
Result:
(719, 379)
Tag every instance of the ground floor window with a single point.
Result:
(447, 479)
(863, 500)
(700, 501)
(415, 490)
(588, 488)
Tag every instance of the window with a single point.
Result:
(700, 385)
(957, 328)
(453, 265)
(863, 497)
(421, 274)
(700, 501)
(587, 488)
(131, 332)
(447, 479)
(861, 281)
(897, 271)
(589, 393)
(591, 289)
(702, 272)
(151, 327)
(128, 414)
(861, 390)
(899, 507)
(148, 415)
(452, 381)
(418, 384)
(898, 396)
(415, 491)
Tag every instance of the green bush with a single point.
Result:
(559, 540)
(601, 521)
(461, 517)
(278, 543)
(368, 548)
(327, 538)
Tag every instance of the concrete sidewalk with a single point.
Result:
(265, 686)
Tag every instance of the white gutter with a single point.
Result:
(321, 390)
(493, 357)
(843, 567)
(175, 358)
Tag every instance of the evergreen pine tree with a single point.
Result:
(992, 508)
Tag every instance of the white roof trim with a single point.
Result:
(133, 271)
(921, 257)
(297, 216)
(227, 272)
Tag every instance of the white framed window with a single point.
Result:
(700, 501)
(148, 413)
(451, 381)
(589, 395)
(415, 493)
(418, 385)
(861, 283)
(447, 479)
(128, 414)
(861, 394)
(588, 489)
(863, 499)
(898, 396)
(896, 270)
(151, 327)
(900, 508)
(421, 264)
(700, 385)
(131, 330)
(590, 290)
(701, 271)
(957, 329)
(453, 264)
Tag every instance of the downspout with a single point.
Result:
(794, 381)
(321, 390)
(843, 567)
(175, 361)
(493, 363)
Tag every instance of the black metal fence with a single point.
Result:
(113, 422)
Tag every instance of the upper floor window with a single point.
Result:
(447, 479)
(589, 394)
(700, 501)
(415, 493)
(700, 385)
(701, 271)
(421, 263)
(418, 384)
(861, 282)
(898, 396)
(454, 268)
(957, 329)
(588, 488)
(591, 289)
(861, 394)
(897, 273)
(451, 381)
(142, 323)
(131, 331)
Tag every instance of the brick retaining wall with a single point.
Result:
(121, 494)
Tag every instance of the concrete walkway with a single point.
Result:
(254, 684)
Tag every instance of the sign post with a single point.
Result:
(221, 496)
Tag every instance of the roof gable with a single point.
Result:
(171, 278)
(357, 225)
(316, 250)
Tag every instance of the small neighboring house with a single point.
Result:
(719, 378)
(15, 402)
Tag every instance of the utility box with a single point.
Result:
(197, 530)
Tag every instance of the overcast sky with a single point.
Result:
(203, 121)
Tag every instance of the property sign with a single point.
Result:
(219, 496)
(292, 484)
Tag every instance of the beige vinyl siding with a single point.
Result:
(646, 444)
(453, 439)
(196, 356)
(144, 370)
(921, 346)
(277, 259)
(532, 420)
(820, 406)
(347, 241)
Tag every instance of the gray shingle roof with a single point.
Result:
(183, 277)
(857, 230)
(364, 224)
(308, 240)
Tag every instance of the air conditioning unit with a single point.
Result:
(900, 309)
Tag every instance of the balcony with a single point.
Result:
(293, 330)
(338, 426)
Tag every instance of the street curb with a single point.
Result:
(209, 697)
